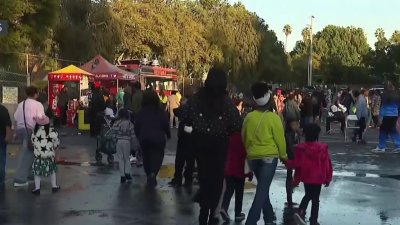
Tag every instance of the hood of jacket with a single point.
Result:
(311, 150)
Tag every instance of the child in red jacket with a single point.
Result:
(234, 178)
(313, 167)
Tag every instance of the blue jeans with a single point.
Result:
(264, 172)
(3, 158)
(387, 128)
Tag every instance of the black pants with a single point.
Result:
(184, 155)
(329, 120)
(95, 123)
(210, 154)
(233, 184)
(289, 187)
(153, 156)
(63, 110)
(375, 119)
(312, 194)
(359, 132)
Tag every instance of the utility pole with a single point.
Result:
(310, 68)
(28, 75)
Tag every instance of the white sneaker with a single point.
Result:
(20, 184)
(396, 151)
(378, 150)
(132, 159)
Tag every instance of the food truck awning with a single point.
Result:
(104, 70)
(70, 72)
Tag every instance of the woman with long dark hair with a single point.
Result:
(152, 130)
(214, 117)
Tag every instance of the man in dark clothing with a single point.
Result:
(5, 137)
(336, 113)
(346, 99)
(306, 111)
(184, 153)
(62, 103)
(97, 105)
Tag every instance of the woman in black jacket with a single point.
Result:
(214, 118)
(152, 131)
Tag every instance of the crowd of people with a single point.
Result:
(227, 138)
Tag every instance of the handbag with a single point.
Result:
(28, 131)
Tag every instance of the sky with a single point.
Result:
(367, 14)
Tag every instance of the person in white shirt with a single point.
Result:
(25, 119)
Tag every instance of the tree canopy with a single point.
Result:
(191, 36)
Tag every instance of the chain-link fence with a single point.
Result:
(15, 80)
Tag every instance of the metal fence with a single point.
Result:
(10, 79)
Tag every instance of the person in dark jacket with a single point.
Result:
(346, 99)
(291, 130)
(128, 98)
(306, 110)
(62, 103)
(152, 131)
(184, 152)
(214, 118)
(97, 105)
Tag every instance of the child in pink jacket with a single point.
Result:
(313, 167)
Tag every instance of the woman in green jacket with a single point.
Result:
(263, 137)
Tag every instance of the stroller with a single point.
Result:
(106, 144)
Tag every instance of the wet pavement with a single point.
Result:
(365, 190)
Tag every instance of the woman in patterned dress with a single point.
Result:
(45, 141)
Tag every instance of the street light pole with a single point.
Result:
(311, 52)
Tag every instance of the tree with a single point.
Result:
(87, 28)
(31, 29)
(382, 42)
(395, 39)
(287, 30)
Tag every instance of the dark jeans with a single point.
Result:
(3, 158)
(63, 110)
(312, 192)
(359, 132)
(289, 186)
(233, 184)
(264, 172)
(210, 153)
(184, 155)
(329, 120)
(153, 156)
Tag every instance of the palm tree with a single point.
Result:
(306, 34)
(287, 30)
(380, 34)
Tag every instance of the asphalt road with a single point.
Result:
(365, 190)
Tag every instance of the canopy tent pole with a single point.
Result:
(116, 96)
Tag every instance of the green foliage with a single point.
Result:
(87, 28)
(31, 29)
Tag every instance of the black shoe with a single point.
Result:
(225, 215)
(188, 183)
(36, 192)
(128, 177)
(239, 218)
(175, 183)
(151, 181)
(123, 180)
(56, 189)
(213, 220)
